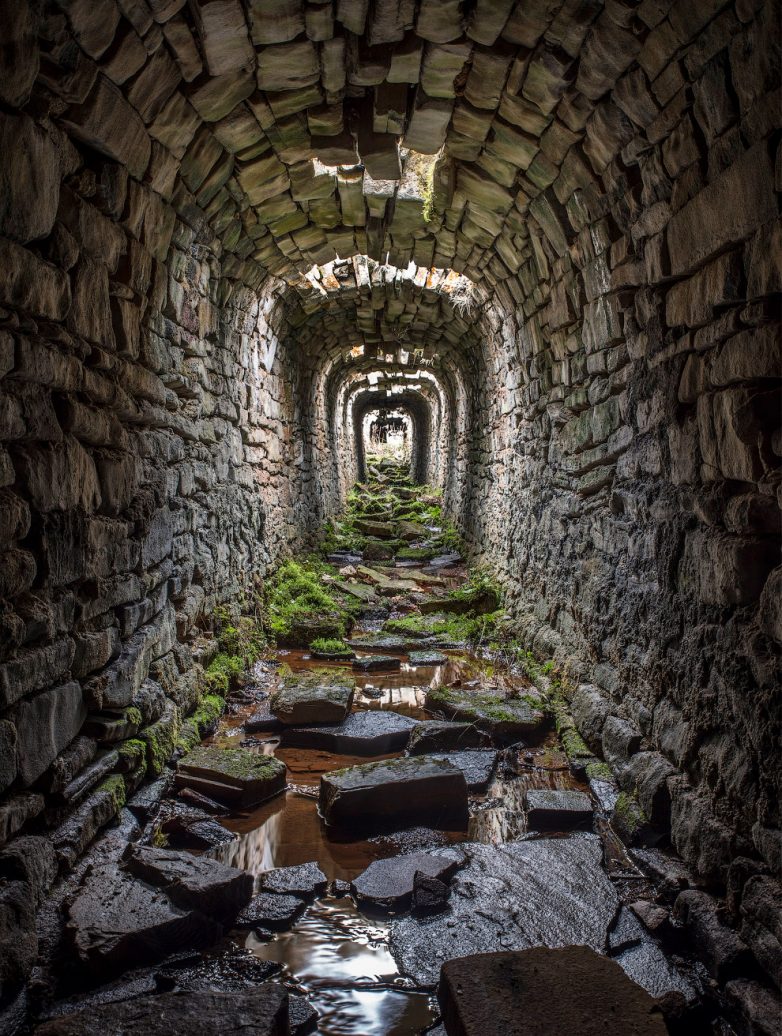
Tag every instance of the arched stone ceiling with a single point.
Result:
(296, 129)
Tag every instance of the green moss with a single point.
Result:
(234, 762)
(188, 738)
(160, 739)
(597, 770)
(222, 673)
(132, 753)
(115, 786)
(297, 593)
(330, 646)
(133, 715)
(628, 813)
(209, 711)
(245, 639)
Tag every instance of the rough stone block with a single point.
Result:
(45, 724)
(724, 213)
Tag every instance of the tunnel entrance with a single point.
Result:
(402, 329)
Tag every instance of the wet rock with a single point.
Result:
(389, 884)
(232, 970)
(666, 869)
(477, 766)
(376, 663)
(430, 895)
(371, 732)
(627, 931)
(195, 798)
(436, 735)
(381, 642)
(271, 910)
(190, 827)
(655, 918)
(547, 891)
(413, 790)
(232, 775)
(18, 942)
(262, 1011)
(572, 989)
(549, 810)
(714, 942)
(306, 880)
(31, 859)
(114, 921)
(647, 965)
(761, 926)
(380, 530)
(319, 697)
(427, 658)
(505, 719)
(195, 882)
(758, 1007)
(146, 802)
(263, 721)
(302, 1016)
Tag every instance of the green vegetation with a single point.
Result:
(299, 603)
(330, 646)
(132, 755)
(222, 673)
(114, 785)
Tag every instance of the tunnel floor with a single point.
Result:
(463, 822)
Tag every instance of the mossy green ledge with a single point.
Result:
(506, 719)
(232, 775)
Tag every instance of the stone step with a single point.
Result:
(395, 792)
(373, 732)
(550, 810)
(234, 775)
(322, 696)
(388, 884)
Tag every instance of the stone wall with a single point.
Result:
(634, 490)
(148, 437)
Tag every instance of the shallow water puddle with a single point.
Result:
(340, 960)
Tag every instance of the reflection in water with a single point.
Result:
(341, 961)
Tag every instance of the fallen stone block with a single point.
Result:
(550, 810)
(564, 990)
(270, 910)
(477, 766)
(262, 1011)
(194, 882)
(232, 775)
(436, 735)
(505, 719)
(376, 663)
(373, 732)
(305, 880)
(395, 791)
(318, 697)
(389, 884)
(114, 921)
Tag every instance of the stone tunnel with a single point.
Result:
(548, 231)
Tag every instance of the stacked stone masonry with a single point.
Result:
(227, 227)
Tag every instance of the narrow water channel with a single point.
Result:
(335, 954)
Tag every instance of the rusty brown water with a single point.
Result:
(334, 954)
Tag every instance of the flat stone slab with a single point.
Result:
(550, 810)
(358, 590)
(436, 735)
(544, 992)
(116, 921)
(476, 764)
(234, 775)
(395, 791)
(192, 882)
(376, 663)
(262, 1011)
(306, 880)
(381, 530)
(318, 697)
(544, 891)
(388, 884)
(373, 732)
(275, 911)
(263, 721)
(505, 719)
(384, 643)
(419, 658)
